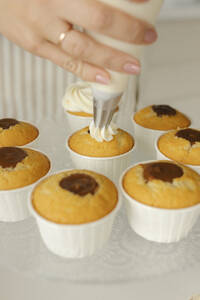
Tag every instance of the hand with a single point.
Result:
(36, 26)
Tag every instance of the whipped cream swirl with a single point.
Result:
(78, 98)
(104, 134)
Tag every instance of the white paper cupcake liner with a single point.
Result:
(161, 156)
(112, 167)
(75, 241)
(14, 203)
(145, 138)
(77, 122)
(159, 224)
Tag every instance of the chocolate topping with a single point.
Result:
(164, 110)
(80, 184)
(11, 156)
(189, 134)
(7, 123)
(161, 170)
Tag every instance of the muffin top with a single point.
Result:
(74, 197)
(163, 184)
(82, 143)
(16, 133)
(161, 117)
(20, 167)
(181, 145)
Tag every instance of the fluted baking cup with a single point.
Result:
(75, 241)
(158, 224)
(112, 167)
(14, 203)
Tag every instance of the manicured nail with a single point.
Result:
(131, 68)
(150, 36)
(102, 79)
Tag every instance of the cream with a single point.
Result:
(78, 98)
(104, 134)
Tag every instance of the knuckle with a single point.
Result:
(101, 18)
(81, 70)
(71, 65)
(75, 45)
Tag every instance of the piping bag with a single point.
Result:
(147, 11)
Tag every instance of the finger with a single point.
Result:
(51, 28)
(81, 69)
(33, 42)
(107, 20)
(81, 46)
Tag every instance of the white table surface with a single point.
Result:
(177, 286)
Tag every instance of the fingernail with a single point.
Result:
(102, 79)
(150, 36)
(131, 68)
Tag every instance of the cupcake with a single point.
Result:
(78, 105)
(16, 133)
(75, 210)
(19, 169)
(154, 120)
(181, 145)
(163, 199)
(107, 157)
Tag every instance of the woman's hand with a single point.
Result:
(44, 28)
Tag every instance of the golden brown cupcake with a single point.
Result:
(20, 167)
(74, 197)
(16, 133)
(163, 184)
(181, 145)
(161, 117)
(82, 143)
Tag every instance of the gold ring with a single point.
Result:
(62, 37)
